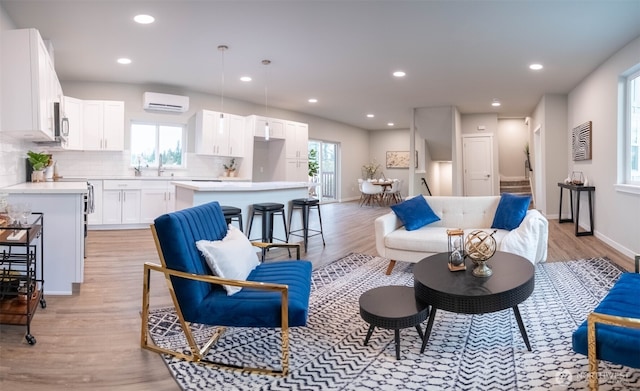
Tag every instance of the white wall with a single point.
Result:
(596, 99)
(550, 115)
(512, 139)
(381, 141)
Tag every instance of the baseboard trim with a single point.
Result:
(617, 246)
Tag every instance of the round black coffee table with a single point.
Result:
(512, 283)
(393, 308)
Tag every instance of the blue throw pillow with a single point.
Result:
(511, 211)
(415, 213)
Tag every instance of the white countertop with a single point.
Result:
(47, 188)
(164, 177)
(238, 186)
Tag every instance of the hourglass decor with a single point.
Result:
(455, 241)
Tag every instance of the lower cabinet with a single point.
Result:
(121, 206)
(158, 198)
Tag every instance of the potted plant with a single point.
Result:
(230, 169)
(314, 167)
(38, 161)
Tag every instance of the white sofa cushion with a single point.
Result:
(430, 239)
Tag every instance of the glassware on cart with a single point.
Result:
(26, 212)
(14, 210)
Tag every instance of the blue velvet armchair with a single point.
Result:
(612, 331)
(274, 295)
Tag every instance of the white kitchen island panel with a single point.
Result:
(242, 195)
(62, 204)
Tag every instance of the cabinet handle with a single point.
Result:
(169, 196)
(119, 197)
(124, 197)
(105, 143)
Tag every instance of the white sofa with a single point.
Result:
(394, 242)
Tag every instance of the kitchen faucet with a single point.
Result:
(160, 168)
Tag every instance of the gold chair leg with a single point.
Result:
(591, 350)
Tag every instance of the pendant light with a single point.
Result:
(222, 49)
(266, 101)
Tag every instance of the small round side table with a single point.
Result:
(392, 308)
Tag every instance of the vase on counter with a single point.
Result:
(37, 176)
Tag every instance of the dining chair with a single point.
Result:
(372, 193)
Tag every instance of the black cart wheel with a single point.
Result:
(43, 303)
(30, 339)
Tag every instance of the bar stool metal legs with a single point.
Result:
(305, 204)
(267, 210)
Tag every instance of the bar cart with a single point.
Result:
(21, 271)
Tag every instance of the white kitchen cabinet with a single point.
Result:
(296, 140)
(73, 112)
(297, 170)
(95, 218)
(211, 140)
(157, 198)
(121, 202)
(256, 125)
(103, 122)
(29, 86)
(296, 151)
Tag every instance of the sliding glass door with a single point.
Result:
(327, 177)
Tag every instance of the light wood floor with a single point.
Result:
(91, 340)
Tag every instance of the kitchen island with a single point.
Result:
(241, 195)
(62, 205)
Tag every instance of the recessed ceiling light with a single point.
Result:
(390, 124)
(399, 74)
(312, 100)
(535, 67)
(370, 115)
(495, 103)
(245, 78)
(144, 19)
(124, 61)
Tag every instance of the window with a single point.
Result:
(150, 141)
(632, 139)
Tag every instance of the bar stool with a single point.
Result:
(267, 210)
(231, 213)
(305, 204)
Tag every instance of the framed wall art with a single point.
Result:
(581, 142)
(399, 159)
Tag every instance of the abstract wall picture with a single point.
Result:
(399, 159)
(581, 142)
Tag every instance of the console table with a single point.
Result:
(577, 189)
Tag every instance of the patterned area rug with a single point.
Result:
(465, 352)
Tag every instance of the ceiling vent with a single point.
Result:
(155, 101)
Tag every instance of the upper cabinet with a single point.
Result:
(73, 109)
(103, 122)
(30, 86)
(258, 124)
(296, 140)
(296, 151)
(213, 140)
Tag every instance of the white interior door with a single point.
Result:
(477, 161)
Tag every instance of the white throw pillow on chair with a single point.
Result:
(232, 257)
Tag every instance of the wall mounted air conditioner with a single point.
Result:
(156, 101)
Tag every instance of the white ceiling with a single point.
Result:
(461, 53)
